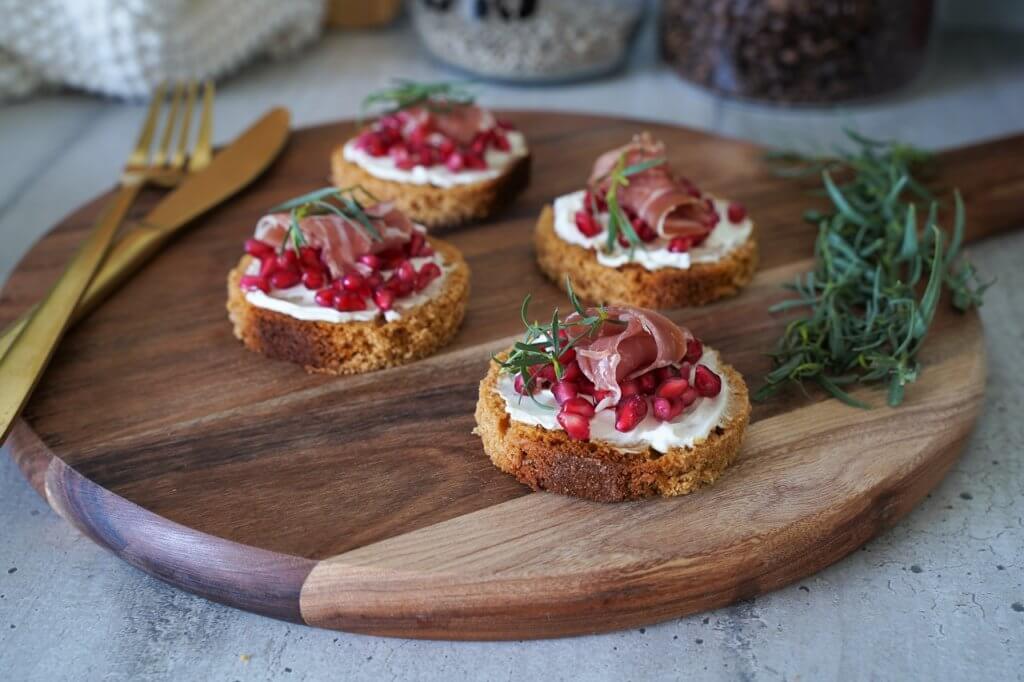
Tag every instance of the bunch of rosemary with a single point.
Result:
(618, 221)
(544, 344)
(408, 93)
(343, 202)
(877, 277)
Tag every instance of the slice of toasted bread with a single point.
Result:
(437, 207)
(633, 284)
(354, 347)
(546, 459)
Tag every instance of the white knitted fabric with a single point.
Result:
(125, 47)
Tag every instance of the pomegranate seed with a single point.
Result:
(455, 162)
(689, 396)
(376, 146)
(400, 288)
(602, 203)
(711, 221)
(644, 231)
(268, 266)
(520, 385)
(580, 406)
(666, 373)
(427, 274)
(353, 281)
(629, 387)
(500, 142)
(694, 351)
(446, 148)
(666, 409)
(737, 212)
(285, 279)
(420, 133)
(406, 272)
(601, 395)
(325, 298)
(253, 282)
(623, 240)
(648, 382)
(546, 373)
(408, 163)
(479, 144)
(349, 302)
(370, 260)
(680, 244)
(310, 257)
(586, 224)
(258, 249)
(415, 243)
(586, 386)
(575, 425)
(312, 279)
(707, 383)
(672, 388)
(383, 298)
(629, 413)
(288, 260)
(564, 390)
(572, 372)
(567, 356)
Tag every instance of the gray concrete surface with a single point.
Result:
(938, 597)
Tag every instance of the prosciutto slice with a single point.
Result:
(647, 340)
(460, 122)
(669, 204)
(341, 241)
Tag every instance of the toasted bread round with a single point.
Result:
(437, 207)
(549, 460)
(633, 284)
(353, 347)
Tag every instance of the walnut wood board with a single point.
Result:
(366, 504)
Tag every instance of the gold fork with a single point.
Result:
(29, 353)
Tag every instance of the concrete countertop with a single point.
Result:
(938, 597)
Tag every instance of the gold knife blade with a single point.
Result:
(232, 169)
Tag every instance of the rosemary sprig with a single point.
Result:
(877, 276)
(407, 93)
(543, 344)
(618, 222)
(344, 202)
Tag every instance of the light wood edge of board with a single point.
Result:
(426, 584)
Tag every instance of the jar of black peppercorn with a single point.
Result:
(797, 51)
(528, 40)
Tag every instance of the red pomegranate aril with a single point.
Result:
(479, 144)
(689, 396)
(680, 244)
(672, 388)
(376, 146)
(455, 161)
(285, 279)
(383, 298)
(543, 373)
(580, 406)
(587, 225)
(586, 386)
(371, 261)
(258, 249)
(567, 356)
(623, 240)
(475, 161)
(694, 351)
(415, 243)
(629, 387)
(312, 279)
(630, 411)
(665, 373)
(666, 409)
(445, 148)
(707, 383)
(429, 271)
(575, 425)
(564, 390)
(600, 395)
(501, 143)
(572, 372)
(353, 281)
(374, 280)
(643, 230)
(268, 266)
(325, 298)
(310, 257)
(288, 260)
(737, 212)
(520, 385)
(712, 221)
(349, 302)
(406, 272)
(648, 382)
(253, 282)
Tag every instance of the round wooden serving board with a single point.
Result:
(366, 503)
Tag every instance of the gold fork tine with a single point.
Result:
(178, 160)
(172, 119)
(202, 154)
(141, 152)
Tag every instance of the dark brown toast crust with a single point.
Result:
(437, 207)
(633, 284)
(549, 460)
(353, 347)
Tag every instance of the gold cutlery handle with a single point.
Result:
(29, 353)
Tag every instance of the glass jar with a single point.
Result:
(528, 40)
(797, 51)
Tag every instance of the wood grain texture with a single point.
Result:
(153, 424)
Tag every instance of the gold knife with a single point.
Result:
(232, 169)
